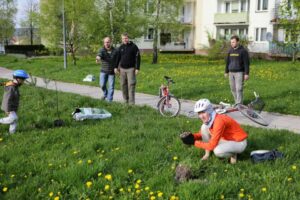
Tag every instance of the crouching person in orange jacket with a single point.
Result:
(219, 133)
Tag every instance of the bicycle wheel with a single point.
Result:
(252, 114)
(170, 107)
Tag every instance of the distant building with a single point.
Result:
(23, 36)
(255, 20)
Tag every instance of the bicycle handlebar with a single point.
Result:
(169, 79)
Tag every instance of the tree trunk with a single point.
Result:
(155, 39)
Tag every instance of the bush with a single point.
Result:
(28, 50)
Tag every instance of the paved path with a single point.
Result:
(277, 121)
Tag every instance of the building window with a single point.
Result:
(261, 34)
(227, 7)
(150, 34)
(262, 5)
(243, 6)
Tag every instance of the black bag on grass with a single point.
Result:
(265, 155)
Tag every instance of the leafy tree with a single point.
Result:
(31, 20)
(7, 14)
(290, 21)
(163, 15)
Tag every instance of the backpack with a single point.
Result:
(265, 155)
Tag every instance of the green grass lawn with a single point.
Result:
(195, 76)
(130, 156)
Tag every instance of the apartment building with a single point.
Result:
(252, 19)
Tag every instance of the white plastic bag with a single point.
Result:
(89, 78)
(81, 114)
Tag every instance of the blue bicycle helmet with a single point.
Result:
(20, 74)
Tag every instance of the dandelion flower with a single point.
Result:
(151, 193)
(152, 198)
(241, 195)
(138, 181)
(5, 189)
(12, 176)
(89, 161)
(121, 189)
(290, 179)
(264, 189)
(99, 174)
(80, 161)
(89, 184)
(56, 198)
(50, 194)
(130, 171)
(138, 191)
(106, 187)
(175, 158)
(242, 190)
(147, 188)
(173, 197)
(40, 189)
(294, 167)
(108, 177)
(1, 139)
(222, 196)
(136, 186)
(160, 194)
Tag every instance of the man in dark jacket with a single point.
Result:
(11, 99)
(107, 56)
(237, 66)
(128, 65)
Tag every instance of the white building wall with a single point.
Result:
(260, 19)
(204, 22)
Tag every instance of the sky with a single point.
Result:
(21, 4)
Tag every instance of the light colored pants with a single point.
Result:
(12, 120)
(236, 81)
(225, 148)
(128, 83)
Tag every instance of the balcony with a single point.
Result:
(241, 18)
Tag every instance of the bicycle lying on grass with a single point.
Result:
(251, 111)
(168, 105)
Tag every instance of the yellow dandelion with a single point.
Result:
(75, 152)
(130, 171)
(50, 194)
(294, 167)
(89, 161)
(175, 158)
(222, 196)
(138, 191)
(12, 176)
(152, 198)
(173, 197)
(151, 193)
(138, 181)
(241, 195)
(40, 189)
(147, 188)
(136, 186)
(129, 189)
(264, 189)
(58, 193)
(290, 179)
(108, 177)
(121, 189)
(242, 190)
(79, 161)
(56, 198)
(106, 187)
(118, 148)
(1, 139)
(110, 197)
(89, 184)
(160, 194)
(5, 189)
(50, 164)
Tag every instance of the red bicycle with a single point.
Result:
(168, 105)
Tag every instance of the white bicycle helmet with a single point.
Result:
(202, 105)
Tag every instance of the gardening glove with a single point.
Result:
(187, 138)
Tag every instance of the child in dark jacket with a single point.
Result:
(11, 98)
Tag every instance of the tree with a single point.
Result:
(7, 15)
(290, 21)
(163, 15)
(31, 20)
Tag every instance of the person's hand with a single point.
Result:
(117, 71)
(226, 75)
(98, 59)
(187, 138)
(246, 77)
(136, 72)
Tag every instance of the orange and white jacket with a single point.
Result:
(223, 127)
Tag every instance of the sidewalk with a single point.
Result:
(277, 121)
